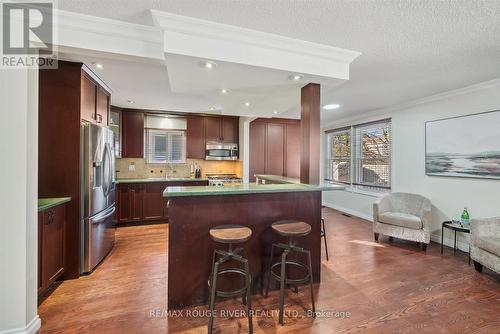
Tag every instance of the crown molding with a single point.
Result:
(407, 105)
(107, 35)
(206, 39)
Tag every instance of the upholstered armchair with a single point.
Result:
(485, 243)
(404, 216)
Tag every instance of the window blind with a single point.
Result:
(165, 146)
(372, 154)
(360, 155)
(340, 155)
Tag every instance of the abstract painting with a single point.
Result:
(465, 146)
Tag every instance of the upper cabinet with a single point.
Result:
(230, 129)
(102, 106)
(222, 129)
(213, 129)
(195, 138)
(133, 134)
(128, 125)
(95, 100)
(88, 99)
(203, 129)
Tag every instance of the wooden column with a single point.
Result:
(310, 133)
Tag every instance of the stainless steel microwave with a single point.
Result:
(221, 151)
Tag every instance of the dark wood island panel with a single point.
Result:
(190, 247)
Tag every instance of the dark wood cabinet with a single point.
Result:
(40, 286)
(195, 138)
(88, 107)
(102, 106)
(132, 134)
(257, 149)
(51, 246)
(213, 129)
(203, 129)
(130, 202)
(275, 147)
(94, 101)
(153, 201)
(145, 202)
(230, 129)
(292, 150)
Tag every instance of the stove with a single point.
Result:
(219, 180)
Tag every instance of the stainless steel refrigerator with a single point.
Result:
(98, 195)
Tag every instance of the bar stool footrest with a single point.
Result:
(290, 281)
(229, 294)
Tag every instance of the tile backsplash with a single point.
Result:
(138, 168)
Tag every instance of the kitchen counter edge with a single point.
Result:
(47, 203)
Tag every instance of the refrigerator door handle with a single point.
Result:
(102, 216)
(107, 165)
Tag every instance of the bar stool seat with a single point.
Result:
(229, 234)
(291, 228)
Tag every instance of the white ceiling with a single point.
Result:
(410, 49)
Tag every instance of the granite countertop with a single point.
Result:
(245, 188)
(324, 185)
(47, 203)
(159, 179)
(277, 178)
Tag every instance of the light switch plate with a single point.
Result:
(131, 167)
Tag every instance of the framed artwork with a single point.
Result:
(465, 146)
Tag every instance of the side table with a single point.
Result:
(454, 226)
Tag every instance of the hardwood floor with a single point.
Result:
(385, 287)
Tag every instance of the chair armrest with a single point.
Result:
(484, 227)
(425, 215)
(383, 204)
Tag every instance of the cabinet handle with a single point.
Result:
(168, 204)
(50, 217)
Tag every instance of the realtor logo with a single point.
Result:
(27, 35)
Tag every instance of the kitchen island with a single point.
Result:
(193, 211)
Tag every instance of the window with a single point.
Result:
(360, 155)
(165, 146)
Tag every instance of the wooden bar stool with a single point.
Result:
(290, 229)
(230, 234)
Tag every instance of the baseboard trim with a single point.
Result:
(348, 211)
(31, 328)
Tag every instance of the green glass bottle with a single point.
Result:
(465, 217)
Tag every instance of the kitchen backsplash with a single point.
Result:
(144, 170)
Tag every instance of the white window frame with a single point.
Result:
(149, 142)
(355, 158)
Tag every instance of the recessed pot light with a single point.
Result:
(247, 104)
(131, 101)
(211, 108)
(331, 106)
(275, 112)
(223, 91)
(295, 77)
(98, 65)
(209, 65)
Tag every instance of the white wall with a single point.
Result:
(18, 201)
(449, 195)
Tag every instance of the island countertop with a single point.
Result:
(245, 188)
(160, 179)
